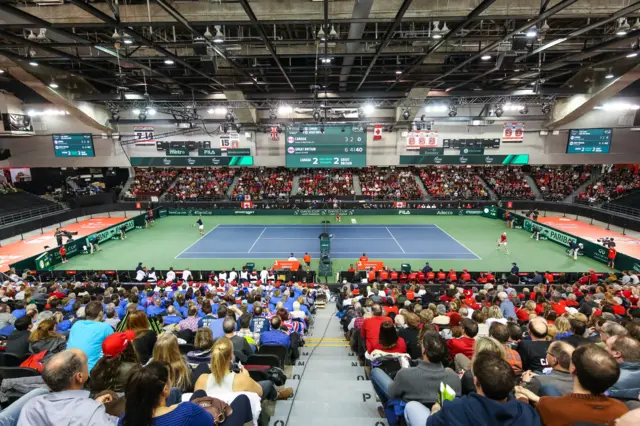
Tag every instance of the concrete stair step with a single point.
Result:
(321, 421)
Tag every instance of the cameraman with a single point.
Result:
(58, 234)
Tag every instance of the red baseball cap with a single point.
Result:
(116, 343)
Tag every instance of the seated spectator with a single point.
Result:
(370, 330)
(410, 334)
(506, 307)
(167, 351)
(223, 379)
(420, 383)
(113, 369)
(242, 349)
(461, 349)
(626, 351)
(494, 380)
(203, 344)
(150, 182)
(145, 337)
(534, 352)
(68, 403)
(507, 182)
(202, 184)
(88, 334)
(172, 316)
(18, 340)
(594, 371)
(388, 340)
(494, 314)
(112, 316)
(559, 360)
(500, 332)
(252, 337)
(390, 183)
(329, 182)
(6, 319)
(558, 182)
(262, 184)
(146, 393)
(452, 183)
(578, 329)
(275, 335)
(45, 338)
(259, 324)
(611, 185)
(191, 321)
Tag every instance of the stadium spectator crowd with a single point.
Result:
(263, 183)
(94, 344)
(558, 182)
(202, 184)
(150, 182)
(389, 183)
(329, 182)
(507, 182)
(611, 185)
(560, 351)
(453, 183)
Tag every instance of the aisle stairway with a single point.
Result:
(295, 184)
(595, 176)
(233, 185)
(357, 186)
(534, 187)
(425, 193)
(329, 383)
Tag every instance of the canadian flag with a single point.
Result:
(377, 132)
(399, 204)
(247, 204)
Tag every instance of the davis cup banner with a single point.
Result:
(423, 139)
(513, 132)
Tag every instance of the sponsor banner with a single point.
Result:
(177, 151)
(51, 258)
(292, 265)
(144, 135)
(513, 132)
(590, 250)
(464, 159)
(323, 212)
(192, 161)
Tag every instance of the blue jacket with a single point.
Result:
(275, 337)
(475, 409)
(628, 384)
(508, 310)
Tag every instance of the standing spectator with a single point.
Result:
(506, 307)
(88, 334)
(594, 371)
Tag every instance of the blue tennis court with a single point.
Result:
(347, 242)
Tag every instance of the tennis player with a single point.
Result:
(503, 242)
(337, 217)
(200, 225)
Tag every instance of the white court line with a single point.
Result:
(212, 229)
(394, 239)
(257, 239)
(466, 248)
(315, 238)
(336, 252)
(426, 226)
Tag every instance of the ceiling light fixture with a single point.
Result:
(220, 110)
(545, 27)
(168, 62)
(207, 34)
(485, 57)
(219, 37)
(229, 116)
(53, 84)
(453, 110)
(142, 116)
(636, 25)
(316, 115)
(33, 64)
(368, 109)
(406, 113)
(151, 111)
(31, 36)
(445, 29)
(42, 34)
(135, 111)
(546, 108)
(116, 35)
(632, 55)
(532, 32)
(285, 109)
(210, 111)
(333, 33)
(623, 27)
(321, 34)
(1, 71)
(499, 111)
(609, 76)
(325, 60)
(436, 33)
(127, 39)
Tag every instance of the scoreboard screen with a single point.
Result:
(589, 141)
(471, 143)
(73, 145)
(325, 146)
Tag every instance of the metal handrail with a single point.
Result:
(617, 208)
(12, 218)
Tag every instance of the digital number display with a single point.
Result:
(73, 145)
(325, 146)
(589, 141)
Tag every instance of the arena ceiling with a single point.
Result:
(277, 50)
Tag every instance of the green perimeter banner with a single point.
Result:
(192, 161)
(320, 212)
(50, 258)
(591, 249)
(465, 159)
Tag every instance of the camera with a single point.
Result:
(607, 242)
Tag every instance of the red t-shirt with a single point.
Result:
(400, 347)
(384, 275)
(462, 345)
(389, 309)
(413, 276)
(612, 253)
(559, 307)
(523, 315)
(431, 275)
(453, 276)
(466, 276)
(394, 276)
(619, 310)
(370, 330)
(420, 276)
(442, 275)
